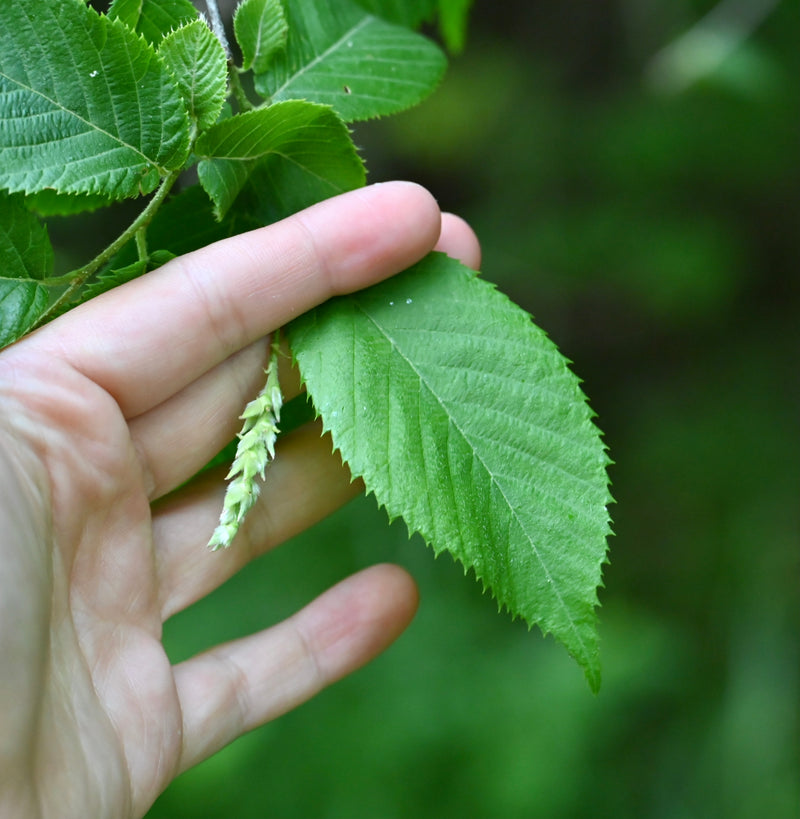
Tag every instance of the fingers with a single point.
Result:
(240, 685)
(457, 239)
(304, 484)
(149, 338)
(181, 435)
(194, 424)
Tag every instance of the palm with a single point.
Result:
(105, 718)
(100, 427)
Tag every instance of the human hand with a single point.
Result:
(105, 412)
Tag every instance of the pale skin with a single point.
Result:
(105, 412)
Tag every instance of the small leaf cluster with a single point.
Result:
(96, 108)
(460, 415)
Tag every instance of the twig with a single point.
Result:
(702, 49)
(77, 277)
(217, 26)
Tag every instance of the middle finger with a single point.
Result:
(304, 484)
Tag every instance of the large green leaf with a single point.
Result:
(153, 19)
(463, 418)
(198, 63)
(308, 138)
(339, 54)
(86, 106)
(27, 259)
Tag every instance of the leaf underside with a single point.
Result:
(304, 140)
(463, 418)
(27, 258)
(85, 104)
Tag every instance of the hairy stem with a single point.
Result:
(141, 243)
(76, 278)
(217, 26)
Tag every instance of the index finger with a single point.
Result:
(145, 340)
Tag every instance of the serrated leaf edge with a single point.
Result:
(591, 669)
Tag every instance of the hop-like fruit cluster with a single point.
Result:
(255, 450)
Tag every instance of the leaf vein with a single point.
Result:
(322, 55)
(90, 125)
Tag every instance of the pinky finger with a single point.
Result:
(457, 239)
(240, 685)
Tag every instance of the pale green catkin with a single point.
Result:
(255, 450)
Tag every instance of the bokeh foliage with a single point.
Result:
(651, 226)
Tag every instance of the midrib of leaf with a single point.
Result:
(260, 30)
(22, 280)
(451, 333)
(256, 158)
(13, 254)
(541, 387)
(138, 108)
(453, 423)
(291, 160)
(320, 57)
(92, 125)
(302, 167)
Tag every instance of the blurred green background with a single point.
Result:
(634, 176)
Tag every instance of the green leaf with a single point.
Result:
(260, 28)
(186, 223)
(27, 259)
(200, 68)
(50, 203)
(453, 19)
(410, 13)
(463, 418)
(453, 16)
(85, 104)
(153, 19)
(116, 276)
(308, 138)
(340, 55)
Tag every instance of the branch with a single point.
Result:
(702, 49)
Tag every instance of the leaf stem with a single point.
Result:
(76, 278)
(237, 89)
(141, 243)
